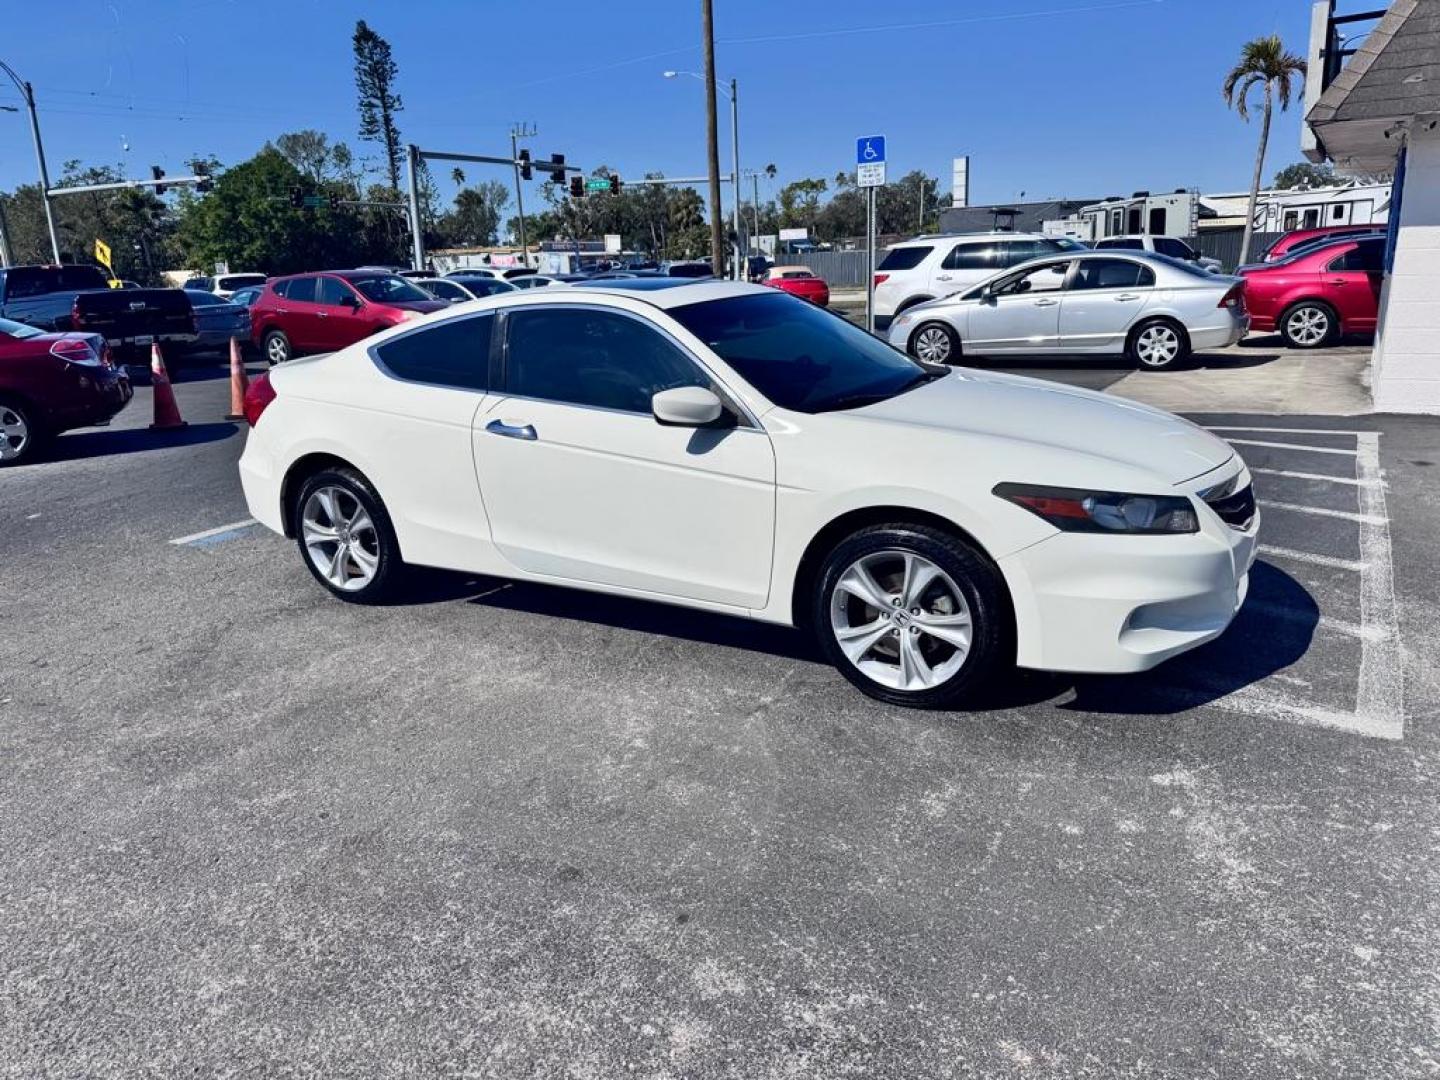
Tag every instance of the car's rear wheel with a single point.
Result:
(912, 615)
(1309, 325)
(277, 347)
(935, 343)
(346, 537)
(21, 434)
(1158, 344)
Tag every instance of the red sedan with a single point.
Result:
(324, 312)
(1314, 297)
(1313, 237)
(799, 281)
(51, 383)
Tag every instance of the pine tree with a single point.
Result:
(378, 102)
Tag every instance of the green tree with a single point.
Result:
(475, 220)
(1263, 63)
(308, 150)
(1303, 174)
(800, 202)
(378, 101)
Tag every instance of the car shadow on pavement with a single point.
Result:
(1223, 361)
(1273, 630)
(108, 443)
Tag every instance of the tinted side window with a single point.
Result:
(1112, 274)
(331, 291)
(595, 358)
(971, 257)
(906, 258)
(301, 289)
(1123, 245)
(452, 353)
(1019, 251)
(1361, 259)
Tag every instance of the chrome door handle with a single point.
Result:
(323, 314)
(511, 431)
(1338, 281)
(1046, 303)
(1128, 296)
(942, 277)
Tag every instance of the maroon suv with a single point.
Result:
(326, 311)
(51, 383)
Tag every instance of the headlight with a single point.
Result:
(1077, 510)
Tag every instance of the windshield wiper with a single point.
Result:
(857, 401)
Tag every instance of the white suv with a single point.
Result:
(931, 267)
(1160, 245)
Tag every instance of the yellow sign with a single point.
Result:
(102, 255)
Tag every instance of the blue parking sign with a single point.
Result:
(870, 150)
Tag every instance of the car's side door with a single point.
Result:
(1352, 283)
(1103, 299)
(1019, 313)
(297, 313)
(341, 318)
(964, 265)
(583, 483)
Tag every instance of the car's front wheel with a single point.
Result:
(935, 343)
(276, 347)
(912, 615)
(346, 537)
(21, 435)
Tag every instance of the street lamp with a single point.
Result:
(734, 95)
(29, 94)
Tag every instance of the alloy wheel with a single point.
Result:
(276, 350)
(15, 433)
(1308, 326)
(932, 345)
(901, 620)
(1157, 345)
(340, 538)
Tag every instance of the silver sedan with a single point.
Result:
(1151, 308)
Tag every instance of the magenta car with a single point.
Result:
(51, 383)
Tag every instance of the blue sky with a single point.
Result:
(1048, 97)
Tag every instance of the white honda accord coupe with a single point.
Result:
(732, 448)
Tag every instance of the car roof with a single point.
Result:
(977, 236)
(638, 284)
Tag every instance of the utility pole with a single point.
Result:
(28, 92)
(735, 175)
(518, 132)
(5, 256)
(712, 143)
(920, 228)
(412, 160)
(755, 207)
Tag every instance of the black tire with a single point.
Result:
(28, 435)
(275, 347)
(939, 332)
(1297, 325)
(390, 569)
(991, 649)
(1148, 358)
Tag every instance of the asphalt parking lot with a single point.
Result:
(513, 831)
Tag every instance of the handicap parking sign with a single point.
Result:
(870, 150)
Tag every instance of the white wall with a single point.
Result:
(1407, 348)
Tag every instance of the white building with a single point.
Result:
(1380, 113)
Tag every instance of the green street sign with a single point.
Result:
(317, 200)
(597, 183)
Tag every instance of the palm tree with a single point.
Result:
(1263, 62)
(458, 175)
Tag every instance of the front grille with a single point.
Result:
(1236, 510)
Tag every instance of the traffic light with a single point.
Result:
(615, 184)
(157, 173)
(203, 171)
(525, 171)
(577, 187)
(297, 198)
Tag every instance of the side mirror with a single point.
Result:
(686, 406)
(350, 300)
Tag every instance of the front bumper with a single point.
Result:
(1093, 603)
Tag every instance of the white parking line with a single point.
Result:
(219, 530)
(1292, 446)
(1380, 699)
(1290, 430)
(1322, 511)
(1310, 557)
(1340, 626)
(1348, 480)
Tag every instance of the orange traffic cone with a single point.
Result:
(167, 413)
(238, 383)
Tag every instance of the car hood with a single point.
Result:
(1062, 417)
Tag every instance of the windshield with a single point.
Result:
(800, 356)
(18, 329)
(389, 289)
